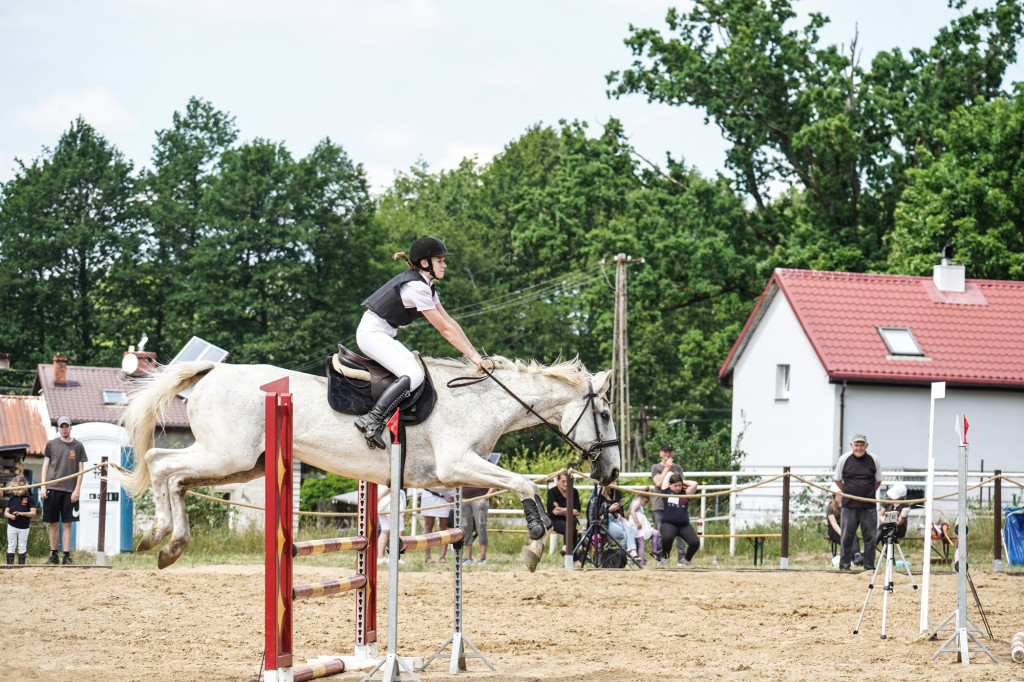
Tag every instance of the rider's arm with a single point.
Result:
(452, 332)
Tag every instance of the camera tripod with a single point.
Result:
(889, 548)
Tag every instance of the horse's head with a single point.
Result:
(588, 422)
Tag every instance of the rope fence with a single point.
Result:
(995, 480)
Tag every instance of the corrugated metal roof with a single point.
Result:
(81, 397)
(970, 338)
(23, 420)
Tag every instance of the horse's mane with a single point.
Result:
(571, 372)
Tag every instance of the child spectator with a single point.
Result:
(21, 507)
(642, 528)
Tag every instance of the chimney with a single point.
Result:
(949, 276)
(60, 370)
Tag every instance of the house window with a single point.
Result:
(900, 341)
(782, 382)
(114, 398)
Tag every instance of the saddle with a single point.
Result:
(354, 383)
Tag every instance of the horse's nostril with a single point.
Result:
(614, 476)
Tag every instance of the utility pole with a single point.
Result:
(620, 359)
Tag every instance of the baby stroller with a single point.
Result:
(597, 545)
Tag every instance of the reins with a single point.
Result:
(591, 453)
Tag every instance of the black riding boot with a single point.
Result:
(10, 558)
(21, 558)
(371, 424)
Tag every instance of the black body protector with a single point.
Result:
(387, 301)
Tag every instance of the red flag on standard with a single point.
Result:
(965, 428)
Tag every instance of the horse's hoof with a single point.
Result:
(530, 557)
(147, 542)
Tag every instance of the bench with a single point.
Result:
(756, 539)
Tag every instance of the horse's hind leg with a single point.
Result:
(180, 484)
(162, 522)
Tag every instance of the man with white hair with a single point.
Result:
(858, 475)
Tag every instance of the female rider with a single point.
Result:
(404, 298)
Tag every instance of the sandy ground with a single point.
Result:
(83, 625)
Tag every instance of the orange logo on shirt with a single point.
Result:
(72, 454)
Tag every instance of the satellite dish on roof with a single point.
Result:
(129, 363)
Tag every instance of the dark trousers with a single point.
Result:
(686, 533)
(850, 519)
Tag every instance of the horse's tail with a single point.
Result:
(144, 409)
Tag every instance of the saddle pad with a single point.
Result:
(354, 396)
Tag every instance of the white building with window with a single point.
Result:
(825, 355)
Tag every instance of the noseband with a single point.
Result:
(591, 452)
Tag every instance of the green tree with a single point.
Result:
(66, 221)
(185, 162)
(801, 115)
(970, 195)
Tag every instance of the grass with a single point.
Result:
(809, 550)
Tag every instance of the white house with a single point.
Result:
(825, 355)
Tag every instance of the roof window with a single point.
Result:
(900, 341)
(112, 397)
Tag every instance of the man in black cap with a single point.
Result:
(659, 474)
(858, 473)
(63, 456)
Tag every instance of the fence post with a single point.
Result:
(997, 523)
(732, 518)
(784, 552)
(101, 541)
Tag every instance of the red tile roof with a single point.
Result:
(971, 338)
(81, 397)
(21, 422)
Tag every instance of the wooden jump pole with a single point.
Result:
(279, 548)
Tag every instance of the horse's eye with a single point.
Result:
(605, 416)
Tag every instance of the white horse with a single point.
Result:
(226, 413)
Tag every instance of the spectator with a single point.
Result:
(833, 509)
(384, 520)
(558, 505)
(858, 474)
(21, 508)
(64, 456)
(642, 528)
(659, 474)
(436, 504)
(474, 517)
(609, 510)
(675, 520)
(895, 493)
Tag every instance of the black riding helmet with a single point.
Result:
(427, 247)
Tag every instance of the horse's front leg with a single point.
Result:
(472, 469)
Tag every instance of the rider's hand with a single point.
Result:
(477, 360)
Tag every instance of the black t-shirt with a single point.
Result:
(21, 503)
(859, 476)
(555, 495)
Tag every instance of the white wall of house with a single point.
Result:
(793, 431)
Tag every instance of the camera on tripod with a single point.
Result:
(889, 522)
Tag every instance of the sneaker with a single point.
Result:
(662, 562)
(401, 562)
(869, 568)
(844, 569)
(53, 559)
(467, 562)
(68, 561)
(682, 563)
(481, 562)
(381, 562)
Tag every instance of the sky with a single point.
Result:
(392, 82)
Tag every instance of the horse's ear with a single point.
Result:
(602, 380)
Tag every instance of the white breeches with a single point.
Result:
(388, 351)
(17, 538)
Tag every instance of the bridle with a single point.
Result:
(591, 452)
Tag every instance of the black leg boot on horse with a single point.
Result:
(371, 424)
